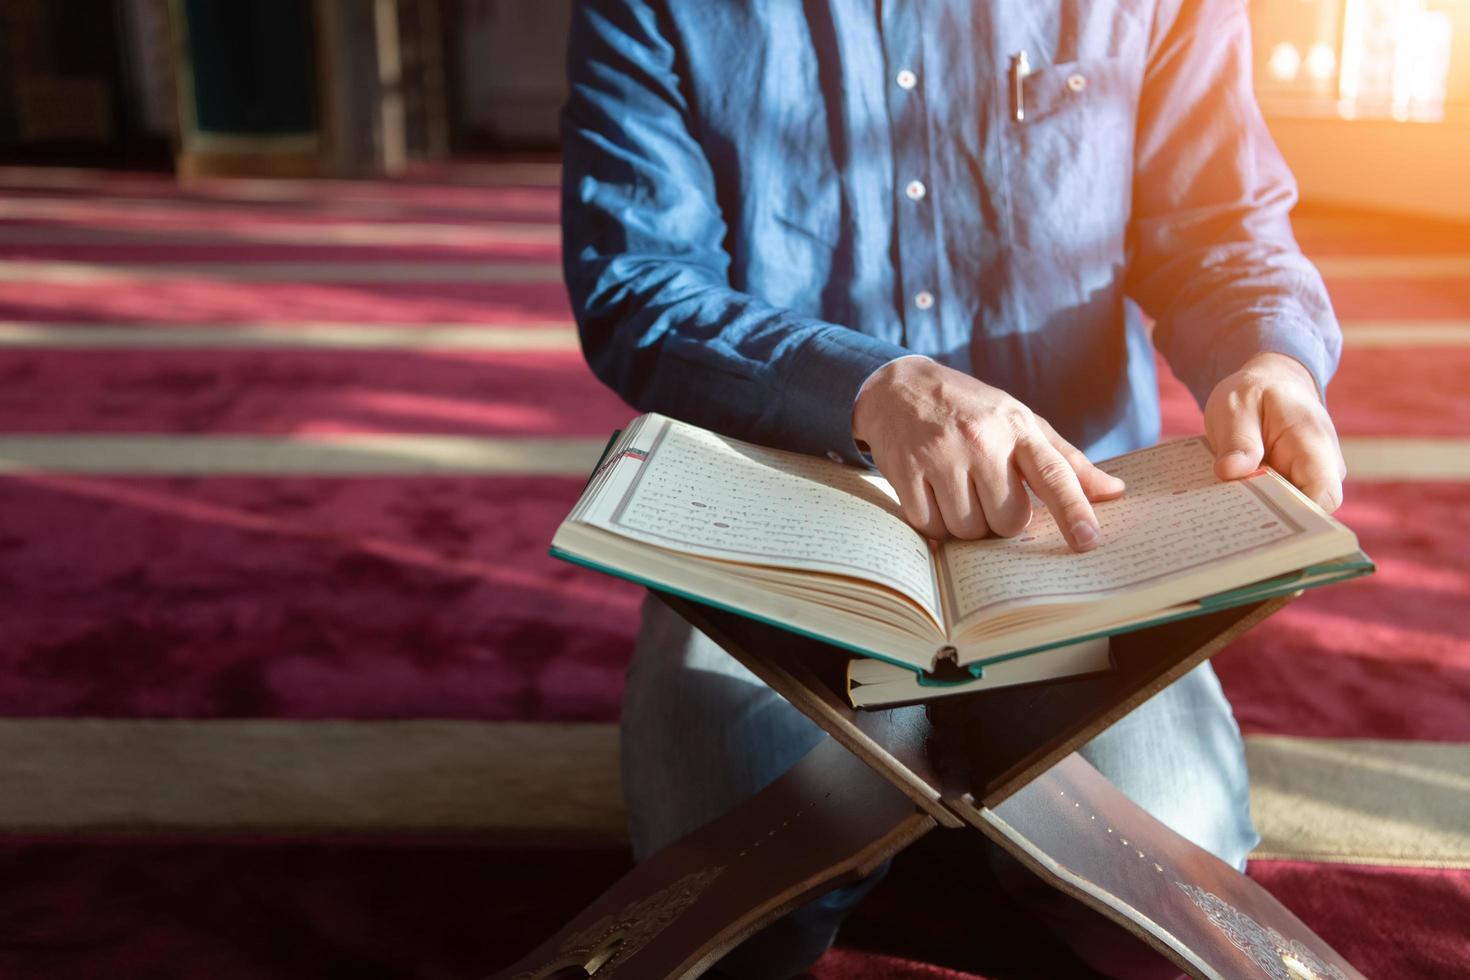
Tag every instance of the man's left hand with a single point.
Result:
(1270, 410)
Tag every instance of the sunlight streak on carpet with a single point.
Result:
(553, 335)
(1361, 801)
(1406, 333)
(336, 455)
(84, 233)
(1368, 459)
(99, 273)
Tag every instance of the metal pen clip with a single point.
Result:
(1020, 68)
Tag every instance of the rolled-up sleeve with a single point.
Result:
(1213, 259)
(645, 267)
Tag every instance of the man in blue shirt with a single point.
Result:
(919, 235)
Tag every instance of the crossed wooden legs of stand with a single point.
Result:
(886, 778)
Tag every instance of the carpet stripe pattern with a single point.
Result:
(551, 337)
(390, 267)
(89, 274)
(336, 453)
(278, 465)
(324, 455)
(1338, 800)
(555, 336)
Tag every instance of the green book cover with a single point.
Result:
(1350, 567)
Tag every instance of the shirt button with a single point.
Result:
(916, 190)
(924, 299)
(1076, 82)
(906, 79)
(834, 455)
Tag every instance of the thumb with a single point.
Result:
(1236, 439)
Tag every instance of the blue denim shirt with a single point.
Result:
(766, 200)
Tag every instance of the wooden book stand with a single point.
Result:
(887, 777)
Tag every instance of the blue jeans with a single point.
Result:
(700, 734)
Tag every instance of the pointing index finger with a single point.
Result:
(1056, 483)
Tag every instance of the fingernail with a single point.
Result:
(1084, 534)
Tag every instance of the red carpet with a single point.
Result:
(249, 910)
(496, 392)
(1390, 922)
(490, 246)
(414, 597)
(1374, 300)
(303, 598)
(456, 392)
(391, 596)
(202, 301)
(1376, 392)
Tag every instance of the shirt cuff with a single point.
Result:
(822, 387)
(1294, 338)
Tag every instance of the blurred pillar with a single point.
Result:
(347, 55)
(392, 132)
(384, 96)
(511, 71)
(246, 83)
(332, 87)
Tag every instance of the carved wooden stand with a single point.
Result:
(885, 778)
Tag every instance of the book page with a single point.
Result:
(699, 493)
(1175, 516)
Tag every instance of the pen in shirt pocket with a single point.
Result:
(1020, 68)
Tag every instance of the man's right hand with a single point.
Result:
(957, 450)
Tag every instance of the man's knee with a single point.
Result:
(1214, 814)
(699, 732)
(700, 735)
(1180, 757)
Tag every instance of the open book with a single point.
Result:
(822, 548)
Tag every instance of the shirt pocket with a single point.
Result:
(1069, 162)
